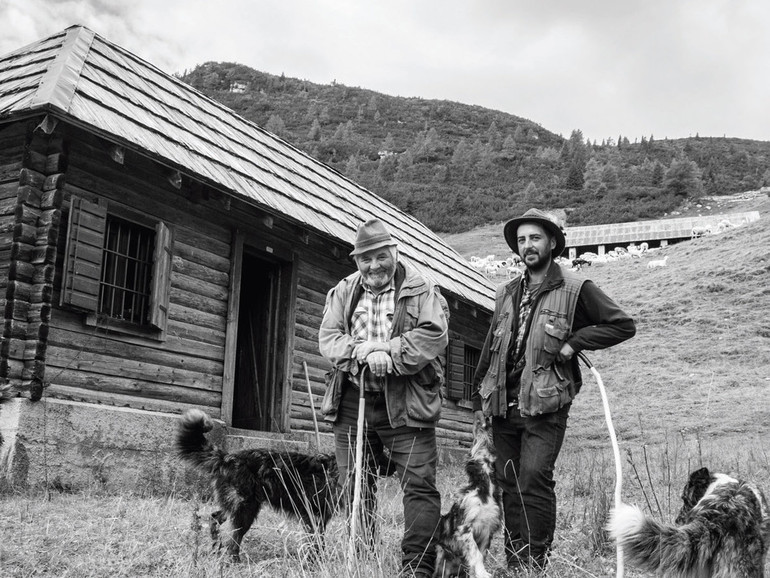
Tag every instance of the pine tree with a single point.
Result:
(575, 177)
(683, 178)
(315, 131)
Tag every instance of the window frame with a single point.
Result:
(82, 272)
(459, 373)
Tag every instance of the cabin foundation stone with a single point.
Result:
(69, 446)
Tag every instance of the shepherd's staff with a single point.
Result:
(356, 507)
(312, 408)
(615, 451)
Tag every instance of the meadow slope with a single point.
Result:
(700, 362)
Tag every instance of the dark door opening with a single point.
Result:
(257, 392)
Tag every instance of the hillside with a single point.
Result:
(456, 166)
(699, 365)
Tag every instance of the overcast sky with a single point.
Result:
(667, 68)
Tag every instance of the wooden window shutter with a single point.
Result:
(455, 373)
(83, 255)
(161, 276)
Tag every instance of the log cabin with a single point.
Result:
(158, 252)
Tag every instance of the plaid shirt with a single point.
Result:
(372, 321)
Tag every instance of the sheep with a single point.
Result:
(723, 225)
(699, 231)
(657, 263)
(637, 250)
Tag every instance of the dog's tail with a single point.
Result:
(656, 547)
(192, 444)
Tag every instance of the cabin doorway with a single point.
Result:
(258, 389)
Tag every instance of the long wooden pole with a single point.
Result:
(356, 508)
(312, 407)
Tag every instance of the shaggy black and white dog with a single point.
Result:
(722, 531)
(303, 486)
(466, 530)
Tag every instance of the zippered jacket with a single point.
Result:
(419, 335)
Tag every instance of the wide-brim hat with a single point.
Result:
(371, 235)
(547, 220)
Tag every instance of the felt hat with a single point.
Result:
(542, 218)
(371, 235)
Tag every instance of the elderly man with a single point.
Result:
(388, 320)
(528, 376)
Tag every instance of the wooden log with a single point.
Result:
(192, 316)
(59, 391)
(130, 387)
(202, 257)
(197, 302)
(201, 272)
(9, 172)
(183, 329)
(31, 178)
(194, 238)
(55, 181)
(29, 195)
(107, 365)
(25, 233)
(198, 287)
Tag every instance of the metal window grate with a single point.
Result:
(124, 291)
(470, 362)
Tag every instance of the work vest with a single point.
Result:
(546, 384)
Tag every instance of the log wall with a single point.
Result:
(111, 366)
(186, 368)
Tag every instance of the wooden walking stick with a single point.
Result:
(312, 407)
(356, 507)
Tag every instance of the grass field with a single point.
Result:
(691, 389)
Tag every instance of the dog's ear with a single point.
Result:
(700, 476)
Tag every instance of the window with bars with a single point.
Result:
(124, 291)
(117, 268)
(470, 361)
(463, 359)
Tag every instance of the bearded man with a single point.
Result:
(528, 375)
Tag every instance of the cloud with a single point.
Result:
(663, 67)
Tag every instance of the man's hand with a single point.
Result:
(565, 354)
(479, 421)
(380, 363)
(363, 349)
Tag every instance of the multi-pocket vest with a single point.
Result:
(546, 385)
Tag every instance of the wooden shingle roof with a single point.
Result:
(82, 78)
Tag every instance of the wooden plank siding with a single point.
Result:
(185, 369)
(187, 366)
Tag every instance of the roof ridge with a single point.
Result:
(57, 86)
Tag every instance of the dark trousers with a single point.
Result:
(527, 448)
(414, 453)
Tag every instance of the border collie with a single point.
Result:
(302, 486)
(722, 531)
(466, 530)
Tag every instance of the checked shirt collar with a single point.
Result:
(372, 321)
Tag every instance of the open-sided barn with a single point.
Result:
(158, 252)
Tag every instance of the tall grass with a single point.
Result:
(90, 534)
